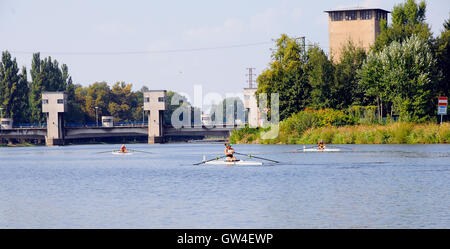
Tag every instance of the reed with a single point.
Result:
(396, 133)
(392, 133)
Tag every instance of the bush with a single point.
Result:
(330, 117)
(335, 126)
(245, 135)
(444, 133)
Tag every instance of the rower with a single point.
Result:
(229, 152)
(123, 149)
(321, 145)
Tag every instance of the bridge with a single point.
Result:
(55, 132)
(115, 131)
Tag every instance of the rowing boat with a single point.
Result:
(320, 150)
(117, 152)
(237, 162)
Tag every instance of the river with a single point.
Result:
(363, 186)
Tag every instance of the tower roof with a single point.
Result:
(356, 8)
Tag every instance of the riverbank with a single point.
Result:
(393, 133)
(23, 144)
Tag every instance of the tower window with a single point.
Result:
(336, 16)
(380, 15)
(45, 101)
(350, 15)
(60, 101)
(365, 14)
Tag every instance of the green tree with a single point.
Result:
(97, 95)
(20, 103)
(46, 75)
(36, 88)
(13, 89)
(346, 91)
(285, 76)
(408, 18)
(80, 99)
(139, 99)
(401, 75)
(122, 100)
(370, 82)
(174, 101)
(320, 72)
(443, 60)
(75, 112)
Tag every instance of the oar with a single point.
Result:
(342, 147)
(108, 151)
(257, 157)
(209, 160)
(304, 147)
(142, 151)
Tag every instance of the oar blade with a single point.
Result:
(148, 152)
(258, 157)
(100, 152)
(217, 158)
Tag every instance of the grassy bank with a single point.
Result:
(23, 144)
(394, 133)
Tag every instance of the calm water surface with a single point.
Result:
(372, 186)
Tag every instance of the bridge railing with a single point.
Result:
(94, 124)
(123, 123)
(77, 125)
(30, 125)
(131, 123)
(207, 126)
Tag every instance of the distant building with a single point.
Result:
(359, 25)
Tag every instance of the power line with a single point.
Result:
(148, 52)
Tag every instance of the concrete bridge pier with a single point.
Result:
(155, 103)
(54, 104)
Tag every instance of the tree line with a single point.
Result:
(402, 74)
(21, 99)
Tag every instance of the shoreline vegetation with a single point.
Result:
(356, 125)
(394, 133)
(22, 144)
(384, 95)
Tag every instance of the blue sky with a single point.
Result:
(62, 29)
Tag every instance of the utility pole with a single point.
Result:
(1, 116)
(96, 115)
(250, 77)
(303, 43)
(143, 115)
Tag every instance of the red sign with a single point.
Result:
(443, 101)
